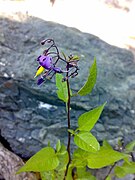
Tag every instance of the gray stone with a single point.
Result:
(113, 128)
(99, 127)
(32, 115)
(2, 39)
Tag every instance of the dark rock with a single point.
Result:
(99, 127)
(32, 115)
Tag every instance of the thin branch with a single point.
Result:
(110, 170)
(68, 118)
(132, 156)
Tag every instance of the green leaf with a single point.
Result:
(62, 91)
(62, 150)
(130, 146)
(88, 86)
(63, 158)
(82, 174)
(63, 161)
(120, 143)
(107, 145)
(79, 158)
(49, 144)
(87, 120)
(44, 160)
(52, 175)
(71, 131)
(64, 55)
(119, 172)
(47, 175)
(125, 169)
(75, 57)
(58, 146)
(69, 173)
(104, 157)
(59, 175)
(86, 141)
(108, 178)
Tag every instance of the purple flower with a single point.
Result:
(57, 70)
(45, 61)
(40, 81)
(51, 63)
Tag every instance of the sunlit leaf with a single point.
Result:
(44, 160)
(87, 120)
(125, 169)
(63, 161)
(107, 145)
(49, 144)
(75, 57)
(104, 157)
(119, 172)
(47, 175)
(63, 149)
(69, 173)
(58, 146)
(62, 91)
(71, 131)
(108, 178)
(88, 86)
(80, 158)
(63, 55)
(86, 141)
(130, 146)
(82, 174)
(63, 158)
(59, 175)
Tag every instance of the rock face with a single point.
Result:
(9, 165)
(30, 116)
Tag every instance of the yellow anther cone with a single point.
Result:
(39, 71)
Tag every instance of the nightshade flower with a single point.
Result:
(49, 60)
(45, 61)
(40, 69)
(58, 70)
(40, 81)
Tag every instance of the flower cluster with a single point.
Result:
(51, 62)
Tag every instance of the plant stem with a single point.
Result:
(68, 116)
(110, 170)
(132, 156)
(68, 119)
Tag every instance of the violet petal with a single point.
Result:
(57, 70)
(40, 81)
(46, 62)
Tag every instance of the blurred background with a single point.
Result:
(111, 20)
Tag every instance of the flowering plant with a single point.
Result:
(59, 163)
(49, 61)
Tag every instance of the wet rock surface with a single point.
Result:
(30, 116)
